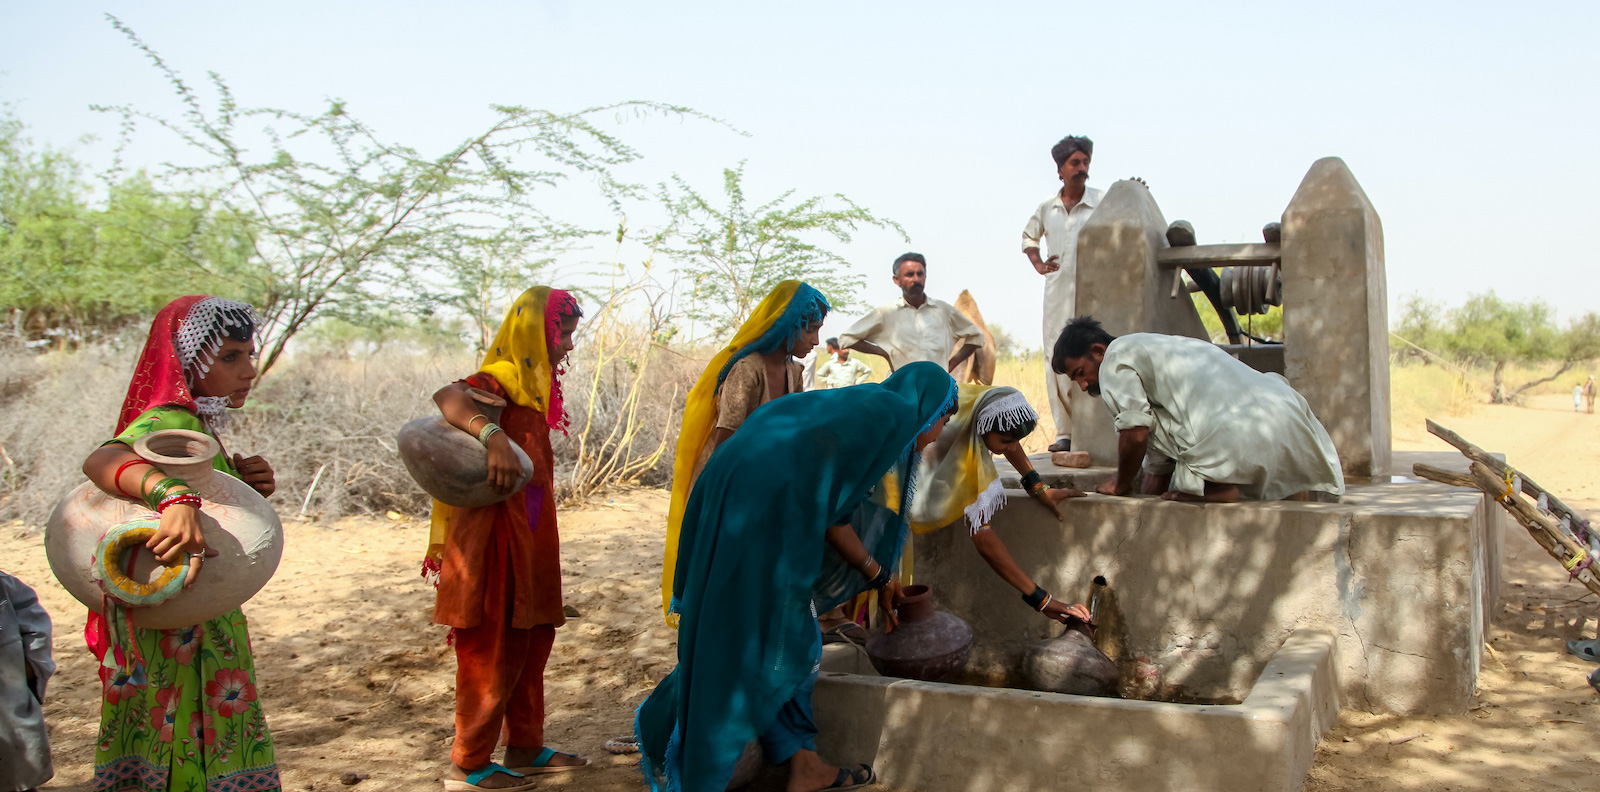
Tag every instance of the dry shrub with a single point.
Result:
(55, 408)
(328, 424)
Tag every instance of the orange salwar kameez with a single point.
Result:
(500, 589)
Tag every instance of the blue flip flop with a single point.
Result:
(477, 777)
(541, 764)
(1588, 650)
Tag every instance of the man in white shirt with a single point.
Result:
(917, 327)
(1057, 222)
(841, 370)
(1205, 427)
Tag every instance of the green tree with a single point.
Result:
(734, 254)
(1489, 331)
(73, 270)
(343, 220)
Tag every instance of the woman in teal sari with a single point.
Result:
(794, 514)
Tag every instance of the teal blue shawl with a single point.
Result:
(753, 565)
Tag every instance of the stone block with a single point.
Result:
(1070, 459)
(1336, 320)
(935, 737)
(1405, 574)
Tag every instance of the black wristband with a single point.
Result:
(1029, 479)
(1037, 598)
(879, 580)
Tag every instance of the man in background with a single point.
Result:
(917, 327)
(841, 370)
(1056, 223)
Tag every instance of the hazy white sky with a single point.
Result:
(1468, 124)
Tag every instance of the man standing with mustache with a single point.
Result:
(1057, 222)
(917, 327)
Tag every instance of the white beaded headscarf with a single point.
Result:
(199, 337)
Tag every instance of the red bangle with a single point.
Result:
(116, 480)
(182, 497)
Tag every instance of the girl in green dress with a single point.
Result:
(184, 714)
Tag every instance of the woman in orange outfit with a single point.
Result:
(498, 567)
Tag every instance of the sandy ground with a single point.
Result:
(354, 677)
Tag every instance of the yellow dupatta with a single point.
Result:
(958, 477)
(519, 359)
(789, 303)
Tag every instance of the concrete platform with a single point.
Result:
(1405, 574)
(935, 737)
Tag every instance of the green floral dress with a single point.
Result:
(196, 725)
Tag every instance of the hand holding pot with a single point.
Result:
(179, 534)
(888, 600)
(505, 470)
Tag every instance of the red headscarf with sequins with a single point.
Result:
(158, 379)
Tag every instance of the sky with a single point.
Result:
(1468, 124)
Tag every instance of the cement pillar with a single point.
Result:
(1336, 314)
(1120, 284)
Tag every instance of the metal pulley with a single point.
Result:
(1251, 290)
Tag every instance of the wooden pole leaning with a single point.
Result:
(1546, 526)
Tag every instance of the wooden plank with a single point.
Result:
(1257, 254)
(1529, 486)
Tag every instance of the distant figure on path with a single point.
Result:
(1588, 393)
(918, 327)
(498, 567)
(841, 370)
(1577, 397)
(1205, 426)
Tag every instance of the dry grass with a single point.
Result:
(326, 423)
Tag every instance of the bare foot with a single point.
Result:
(517, 756)
(495, 780)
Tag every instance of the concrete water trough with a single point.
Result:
(938, 737)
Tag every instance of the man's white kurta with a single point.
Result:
(1213, 418)
(931, 332)
(1058, 229)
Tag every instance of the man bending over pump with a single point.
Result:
(1206, 427)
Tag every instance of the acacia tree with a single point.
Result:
(341, 218)
(1489, 331)
(734, 254)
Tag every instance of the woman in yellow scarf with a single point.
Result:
(958, 481)
(754, 368)
(498, 567)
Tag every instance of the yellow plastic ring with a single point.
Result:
(122, 537)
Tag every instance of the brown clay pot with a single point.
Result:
(236, 521)
(1070, 664)
(928, 644)
(450, 464)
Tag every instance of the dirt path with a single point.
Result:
(354, 677)
(1537, 725)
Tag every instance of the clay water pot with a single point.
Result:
(1070, 664)
(236, 521)
(928, 644)
(450, 464)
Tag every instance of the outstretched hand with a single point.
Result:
(1051, 498)
(1064, 613)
